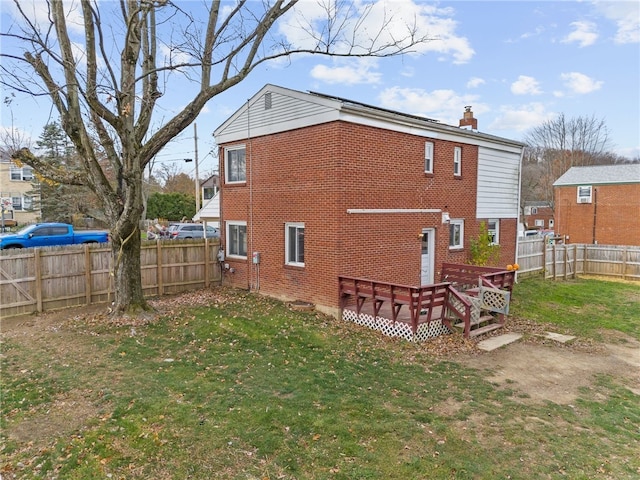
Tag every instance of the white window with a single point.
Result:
(237, 239)
(17, 203)
(457, 161)
(534, 210)
(235, 165)
(539, 223)
(551, 223)
(21, 173)
(428, 157)
(456, 233)
(294, 244)
(584, 194)
(493, 229)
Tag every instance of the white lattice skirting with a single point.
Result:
(397, 329)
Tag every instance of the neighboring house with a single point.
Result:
(16, 186)
(315, 186)
(599, 204)
(538, 216)
(210, 187)
(210, 212)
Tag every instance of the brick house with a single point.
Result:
(599, 204)
(320, 186)
(538, 216)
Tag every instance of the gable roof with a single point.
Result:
(276, 109)
(210, 210)
(600, 175)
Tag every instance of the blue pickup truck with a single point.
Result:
(49, 235)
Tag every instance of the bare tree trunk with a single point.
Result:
(129, 296)
(126, 242)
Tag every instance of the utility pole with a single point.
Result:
(195, 137)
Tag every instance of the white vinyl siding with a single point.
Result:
(276, 111)
(498, 180)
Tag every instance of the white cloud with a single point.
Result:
(525, 85)
(38, 13)
(580, 83)
(381, 22)
(475, 82)
(521, 117)
(174, 56)
(349, 72)
(626, 15)
(446, 106)
(584, 33)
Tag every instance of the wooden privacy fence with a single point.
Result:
(566, 261)
(41, 279)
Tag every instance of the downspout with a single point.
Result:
(249, 155)
(595, 213)
(519, 210)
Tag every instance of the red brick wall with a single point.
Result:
(313, 175)
(543, 213)
(616, 209)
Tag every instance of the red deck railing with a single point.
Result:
(464, 277)
(423, 302)
(420, 301)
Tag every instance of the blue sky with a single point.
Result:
(516, 63)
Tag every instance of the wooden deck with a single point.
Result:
(419, 313)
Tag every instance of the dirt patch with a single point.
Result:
(544, 370)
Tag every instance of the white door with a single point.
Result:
(427, 258)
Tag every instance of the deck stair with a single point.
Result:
(488, 295)
(472, 299)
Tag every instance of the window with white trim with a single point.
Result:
(23, 203)
(24, 174)
(456, 233)
(539, 222)
(294, 244)
(584, 194)
(235, 164)
(493, 229)
(428, 157)
(457, 161)
(237, 239)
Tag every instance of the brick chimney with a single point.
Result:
(468, 120)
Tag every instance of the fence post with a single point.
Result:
(87, 274)
(544, 260)
(38, 274)
(206, 262)
(553, 260)
(575, 261)
(566, 261)
(159, 282)
(624, 262)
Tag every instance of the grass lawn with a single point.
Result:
(243, 388)
(584, 306)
